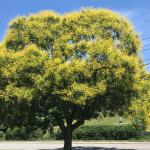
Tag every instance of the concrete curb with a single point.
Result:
(78, 142)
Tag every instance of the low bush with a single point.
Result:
(49, 136)
(139, 121)
(16, 134)
(36, 134)
(2, 135)
(98, 132)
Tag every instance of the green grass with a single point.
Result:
(115, 121)
(148, 129)
(107, 121)
(110, 121)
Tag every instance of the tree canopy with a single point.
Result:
(72, 66)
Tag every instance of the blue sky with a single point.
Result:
(138, 11)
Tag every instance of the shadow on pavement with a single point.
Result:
(91, 148)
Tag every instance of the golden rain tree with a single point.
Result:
(81, 63)
(18, 73)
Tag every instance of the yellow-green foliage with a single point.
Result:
(18, 72)
(68, 68)
(141, 104)
(81, 58)
(50, 30)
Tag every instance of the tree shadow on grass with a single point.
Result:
(91, 148)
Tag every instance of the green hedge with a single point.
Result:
(16, 134)
(93, 132)
(36, 134)
(21, 134)
(99, 132)
(2, 135)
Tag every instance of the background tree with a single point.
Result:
(140, 108)
(83, 63)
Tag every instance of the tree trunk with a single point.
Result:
(68, 139)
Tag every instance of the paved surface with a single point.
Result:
(76, 145)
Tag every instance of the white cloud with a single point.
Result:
(128, 13)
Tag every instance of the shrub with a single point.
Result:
(49, 136)
(16, 133)
(99, 132)
(139, 121)
(36, 134)
(2, 135)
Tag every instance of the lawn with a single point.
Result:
(114, 121)
(148, 129)
(107, 121)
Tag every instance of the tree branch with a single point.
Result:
(77, 124)
(61, 124)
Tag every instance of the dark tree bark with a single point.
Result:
(68, 139)
(68, 133)
(68, 129)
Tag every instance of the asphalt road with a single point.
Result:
(76, 145)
